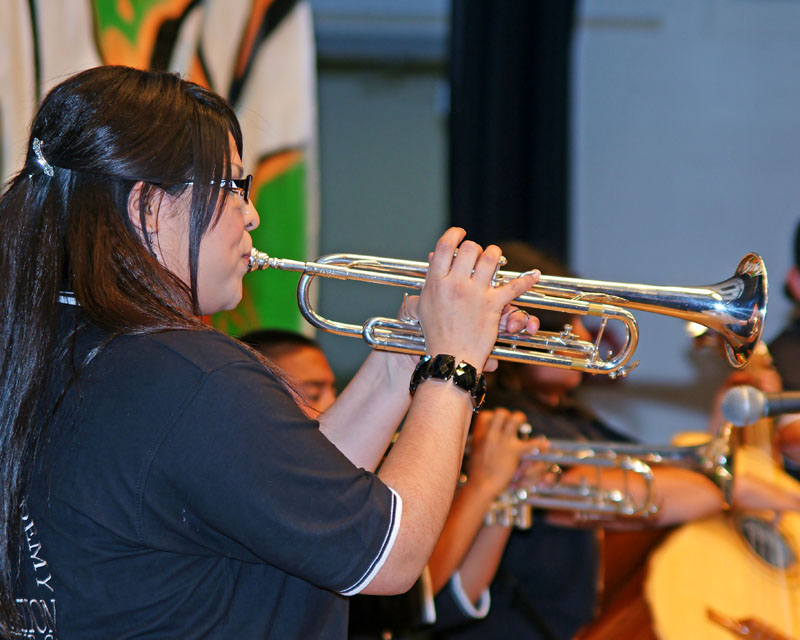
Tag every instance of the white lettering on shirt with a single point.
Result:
(34, 548)
(37, 615)
(38, 619)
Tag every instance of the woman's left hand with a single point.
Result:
(512, 320)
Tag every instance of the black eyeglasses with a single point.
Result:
(239, 186)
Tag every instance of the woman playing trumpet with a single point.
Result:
(158, 478)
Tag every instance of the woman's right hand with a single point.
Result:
(459, 308)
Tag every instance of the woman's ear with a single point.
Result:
(134, 211)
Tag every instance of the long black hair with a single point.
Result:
(101, 131)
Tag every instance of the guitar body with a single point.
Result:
(741, 566)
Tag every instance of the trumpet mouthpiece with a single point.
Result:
(258, 260)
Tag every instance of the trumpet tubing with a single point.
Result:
(735, 308)
(713, 459)
(514, 507)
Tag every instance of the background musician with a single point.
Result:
(547, 583)
(468, 552)
(302, 361)
(785, 350)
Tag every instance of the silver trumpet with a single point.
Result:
(590, 500)
(735, 309)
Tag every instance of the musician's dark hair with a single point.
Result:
(274, 343)
(787, 289)
(797, 246)
(522, 256)
(102, 131)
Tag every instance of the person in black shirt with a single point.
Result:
(547, 583)
(785, 351)
(467, 554)
(785, 348)
(159, 478)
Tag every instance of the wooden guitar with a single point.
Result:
(710, 576)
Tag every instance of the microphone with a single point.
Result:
(743, 405)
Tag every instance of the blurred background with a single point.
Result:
(639, 140)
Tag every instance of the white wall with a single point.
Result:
(382, 118)
(383, 186)
(686, 155)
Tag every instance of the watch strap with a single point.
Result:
(444, 367)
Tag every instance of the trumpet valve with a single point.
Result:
(524, 517)
(615, 496)
(623, 371)
(502, 514)
(510, 510)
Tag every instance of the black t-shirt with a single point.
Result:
(547, 580)
(182, 494)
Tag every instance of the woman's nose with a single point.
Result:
(251, 217)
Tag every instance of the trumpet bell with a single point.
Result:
(735, 308)
(742, 322)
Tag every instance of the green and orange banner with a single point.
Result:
(259, 54)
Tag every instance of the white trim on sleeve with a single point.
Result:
(428, 607)
(67, 297)
(462, 600)
(386, 548)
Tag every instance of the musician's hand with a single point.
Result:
(535, 474)
(459, 308)
(497, 449)
(752, 492)
(408, 313)
(512, 320)
(516, 320)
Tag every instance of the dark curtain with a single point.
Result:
(509, 75)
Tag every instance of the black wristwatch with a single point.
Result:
(444, 367)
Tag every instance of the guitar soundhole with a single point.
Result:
(767, 542)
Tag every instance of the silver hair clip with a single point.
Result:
(46, 166)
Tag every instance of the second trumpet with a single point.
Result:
(593, 499)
